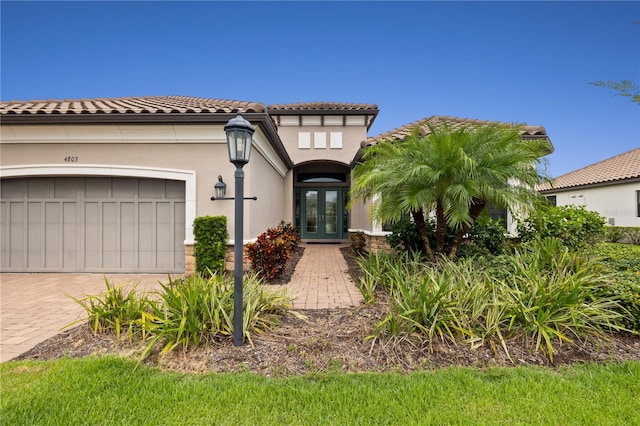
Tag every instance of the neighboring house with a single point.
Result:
(113, 185)
(610, 187)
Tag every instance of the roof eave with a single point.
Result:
(590, 185)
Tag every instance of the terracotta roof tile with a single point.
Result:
(619, 168)
(131, 105)
(321, 106)
(402, 132)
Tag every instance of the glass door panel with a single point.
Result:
(311, 212)
(330, 212)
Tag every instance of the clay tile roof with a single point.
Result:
(402, 132)
(619, 168)
(316, 107)
(131, 105)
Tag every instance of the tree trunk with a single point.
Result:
(474, 211)
(441, 228)
(418, 218)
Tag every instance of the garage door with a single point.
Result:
(91, 224)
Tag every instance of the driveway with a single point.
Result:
(35, 307)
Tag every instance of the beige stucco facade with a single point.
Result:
(193, 154)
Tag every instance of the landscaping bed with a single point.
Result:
(333, 340)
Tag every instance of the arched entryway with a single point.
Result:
(320, 201)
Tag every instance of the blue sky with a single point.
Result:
(524, 62)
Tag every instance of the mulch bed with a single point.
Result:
(332, 340)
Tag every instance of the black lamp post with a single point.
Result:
(239, 136)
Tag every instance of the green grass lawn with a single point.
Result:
(107, 391)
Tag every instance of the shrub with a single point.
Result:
(405, 236)
(631, 235)
(573, 225)
(622, 263)
(487, 236)
(211, 243)
(613, 234)
(272, 250)
(358, 242)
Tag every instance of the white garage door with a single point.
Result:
(92, 224)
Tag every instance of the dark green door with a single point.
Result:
(321, 213)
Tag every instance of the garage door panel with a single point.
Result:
(68, 187)
(70, 234)
(92, 224)
(41, 188)
(110, 235)
(124, 188)
(34, 235)
(17, 232)
(52, 240)
(128, 240)
(152, 188)
(91, 234)
(13, 188)
(174, 190)
(97, 188)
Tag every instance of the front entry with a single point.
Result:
(321, 213)
(321, 191)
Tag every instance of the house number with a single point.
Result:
(70, 159)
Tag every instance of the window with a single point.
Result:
(638, 203)
(552, 200)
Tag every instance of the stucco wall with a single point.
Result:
(617, 202)
(197, 151)
(264, 182)
(352, 136)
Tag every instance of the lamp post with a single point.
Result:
(239, 134)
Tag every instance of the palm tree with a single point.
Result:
(452, 173)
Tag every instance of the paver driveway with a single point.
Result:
(34, 307)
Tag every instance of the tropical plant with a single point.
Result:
(544, 294)
(454, 173)
(272, 250)
(197, 310)
(116, 310)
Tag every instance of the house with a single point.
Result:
(114, 185)
(610, 187)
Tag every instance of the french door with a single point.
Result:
(321, 213)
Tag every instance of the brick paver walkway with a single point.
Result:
(35, 307)
(321, 281)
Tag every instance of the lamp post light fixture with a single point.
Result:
(239, 136)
